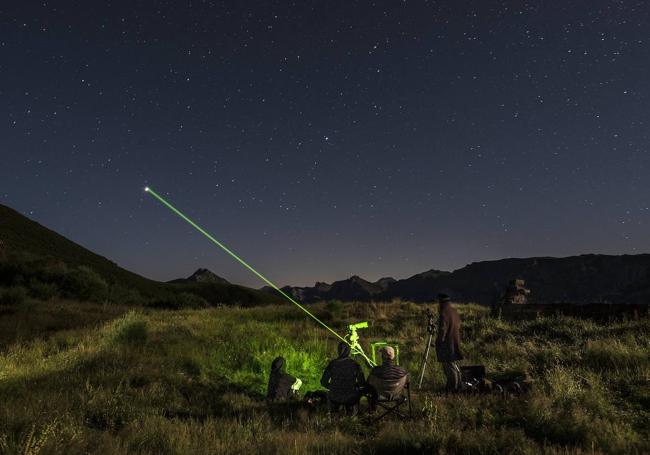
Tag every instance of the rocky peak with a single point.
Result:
(385, 282)
(202, 276)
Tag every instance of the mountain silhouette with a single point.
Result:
(589, 278)
(22, 238)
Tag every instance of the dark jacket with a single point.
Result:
(279, 382)
(343, 377)
(448, 336)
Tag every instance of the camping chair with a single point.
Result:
(391, 404)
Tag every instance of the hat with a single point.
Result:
(443, 298)
(387, 352)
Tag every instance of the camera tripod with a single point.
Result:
(430, 329)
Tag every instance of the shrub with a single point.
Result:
(131, 330)
(109, 410)
(11, 273)
(124, 296)
(41, 290)
(85, 284)
(335, 308)
(54, 270)
(16, 295)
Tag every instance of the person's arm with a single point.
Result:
(296, 385)
(327, 377)
(404, 373)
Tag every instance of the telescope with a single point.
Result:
(352, 339)
(358, 325)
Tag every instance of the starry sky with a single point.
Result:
(321, 139)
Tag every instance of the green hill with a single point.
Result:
(32, 253)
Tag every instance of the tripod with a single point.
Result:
(430, 329)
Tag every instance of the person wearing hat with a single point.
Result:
(387, 380)
(448, 342)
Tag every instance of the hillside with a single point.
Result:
(29, 248)
(20, 235)
(577, 279)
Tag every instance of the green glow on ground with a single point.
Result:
(245, 264)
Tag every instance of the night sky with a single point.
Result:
(321, 139)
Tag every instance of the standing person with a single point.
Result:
(343, 377)
(282, 386)
(448, 342)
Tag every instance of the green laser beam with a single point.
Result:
(245, 264)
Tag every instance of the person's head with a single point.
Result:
(277, 364)
(343, 350)
(387, 354)
(443, 300)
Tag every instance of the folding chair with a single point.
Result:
(393, 404)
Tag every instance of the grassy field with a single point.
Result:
(87, 378)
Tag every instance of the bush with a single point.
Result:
(42, 291)
(85, 284)
(53, 270)
(335, 309)
(16, 295)
(124, 296)
(132, 331)
(12, 273)
(109, 410)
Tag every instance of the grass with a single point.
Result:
(112, 380)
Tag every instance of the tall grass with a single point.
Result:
(158, 382)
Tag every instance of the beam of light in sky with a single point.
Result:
(245, 264)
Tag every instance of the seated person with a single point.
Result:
(343, 377)
(282, 386)
(386, 381)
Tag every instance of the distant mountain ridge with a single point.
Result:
(586, 278)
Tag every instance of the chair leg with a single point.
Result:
(394, 409)
(408, 395)
(381, 416)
